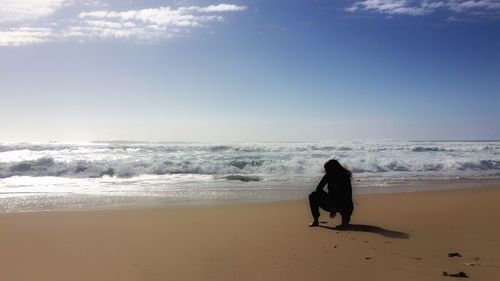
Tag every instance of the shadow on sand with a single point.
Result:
(371, 229)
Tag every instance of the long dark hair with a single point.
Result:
(333, 167)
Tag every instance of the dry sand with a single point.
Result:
(404, 237)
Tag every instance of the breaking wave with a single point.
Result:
(431, 148)
(242, 178)
(250, 162)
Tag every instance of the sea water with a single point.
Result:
(59, 175)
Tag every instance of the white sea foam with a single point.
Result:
(270, 161)
(162, 169)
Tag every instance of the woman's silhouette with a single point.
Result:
(339, 196)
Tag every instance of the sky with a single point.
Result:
(249, 71)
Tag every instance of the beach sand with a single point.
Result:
(404, 236)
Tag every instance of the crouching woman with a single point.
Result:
(339, 196)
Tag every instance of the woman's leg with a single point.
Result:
(318, 200)
(314, 205)
(346, 217)
(346, 214)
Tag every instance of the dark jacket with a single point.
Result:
(339, 191)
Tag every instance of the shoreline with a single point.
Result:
(82, 202)
(403, 236)
(207, 197)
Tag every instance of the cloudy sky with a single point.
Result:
(260, 70)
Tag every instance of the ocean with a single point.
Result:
(120, 174)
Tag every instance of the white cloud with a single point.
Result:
(144, 25)
(21, 10)
(424, 7)
(25, 36)
(461, 6)
(391, 7)
(223, 8)
(164, 16)
(97, 3)
(149, 24)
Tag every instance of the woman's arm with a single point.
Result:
(349, 189)
(322, 183)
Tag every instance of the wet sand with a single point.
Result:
(395, 237)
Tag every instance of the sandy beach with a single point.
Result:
(182, 140)
(405, 236)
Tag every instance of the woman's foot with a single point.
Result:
(343, 226)
(314, 223)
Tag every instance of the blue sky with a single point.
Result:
(249, 70)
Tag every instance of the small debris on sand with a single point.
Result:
(469, 263)
(461, 274)
(368, 258)
(455, 254)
